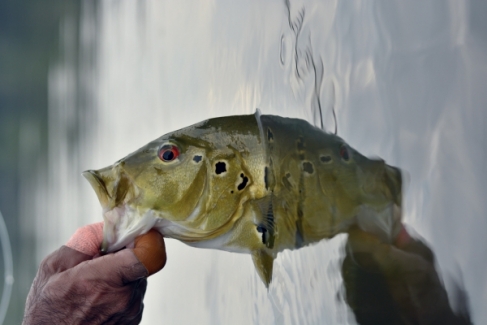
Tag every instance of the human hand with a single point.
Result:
(74, 285)
(394, 284)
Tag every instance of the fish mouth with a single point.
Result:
(98, 186)
(383, 186)
(111, 185)
(114, 189)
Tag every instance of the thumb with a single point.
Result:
(151, 251)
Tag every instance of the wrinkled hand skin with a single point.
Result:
(394, 284)
(72, 287)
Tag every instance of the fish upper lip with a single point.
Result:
(98, 185)
(98, 179)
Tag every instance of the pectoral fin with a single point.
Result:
(263, 262)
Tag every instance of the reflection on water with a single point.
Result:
(403, 79)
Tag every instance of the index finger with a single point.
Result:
(87, 239)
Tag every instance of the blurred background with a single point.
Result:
(84, 83)
(29, 44)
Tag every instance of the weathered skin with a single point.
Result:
(253, 184)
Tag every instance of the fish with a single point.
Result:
(255, 184)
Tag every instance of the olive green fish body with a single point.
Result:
(255, 184)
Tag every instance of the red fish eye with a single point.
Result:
(168, 153)
(344, 153)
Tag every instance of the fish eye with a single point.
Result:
(168, 153)
(344, 153)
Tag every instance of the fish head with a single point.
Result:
(173, 183)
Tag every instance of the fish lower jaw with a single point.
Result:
(189, 237)
(124, 223)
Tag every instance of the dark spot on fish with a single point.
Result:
(158, 170)
(325, 159)
(270, 135)
(231, 191)
(220, 167)
(308, 167)
(263, 231)
(245, 180)
(197, 158)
